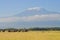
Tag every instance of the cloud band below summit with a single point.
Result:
(49, 17)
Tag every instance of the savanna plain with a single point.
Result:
(30, 35)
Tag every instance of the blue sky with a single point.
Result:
(12, 7)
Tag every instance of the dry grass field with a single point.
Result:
(35, 35)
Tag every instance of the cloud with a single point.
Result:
(50, 17)
(34, 8)
(43, 17)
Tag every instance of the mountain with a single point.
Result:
(40, 11)
(32, 17)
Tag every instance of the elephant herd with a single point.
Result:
(13, 30)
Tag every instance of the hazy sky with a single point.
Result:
(12, 7)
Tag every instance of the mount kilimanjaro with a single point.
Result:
(32, 17)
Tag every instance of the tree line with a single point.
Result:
(30, 29)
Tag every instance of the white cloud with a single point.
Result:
(43, 17)
(34, 8)
(32, 18)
